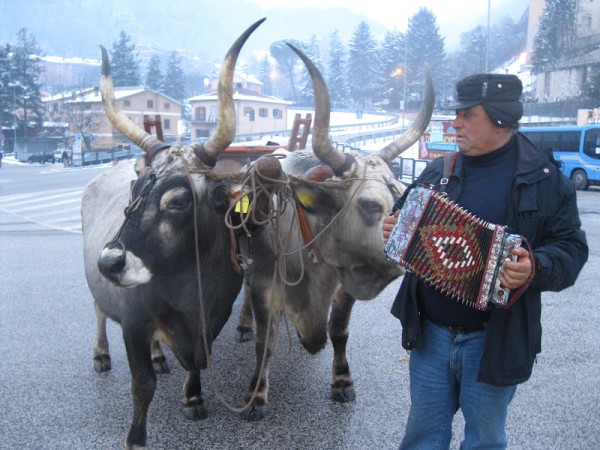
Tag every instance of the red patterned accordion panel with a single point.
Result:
(451, 249)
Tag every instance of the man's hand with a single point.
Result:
(388, 224)
(515, 274)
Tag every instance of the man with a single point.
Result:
(461, 357)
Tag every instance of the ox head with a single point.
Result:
(352, 194)
(174, 183)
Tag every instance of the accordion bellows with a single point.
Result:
(451, 249)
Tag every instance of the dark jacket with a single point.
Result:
(543, 209)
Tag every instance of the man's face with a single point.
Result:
(475, 132)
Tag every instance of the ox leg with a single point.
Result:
(101, 354)
(257, 407)
(193, 405)
(342, 386)
(159, 362)
(143, 382)
(244, 327)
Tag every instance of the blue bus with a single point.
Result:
(577, 148)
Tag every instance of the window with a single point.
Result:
(202, 133)
(200, 114)
(263, 112)
(249, 112)
(126, 103)
(592, 144)
(277, 113)
(167, 105)
(149, 104)
(167, 124)
(569, 141)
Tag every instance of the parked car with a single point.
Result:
(58, 155)
(41, 158)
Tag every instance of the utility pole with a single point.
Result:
(487, 40)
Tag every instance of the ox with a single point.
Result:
(167, 272)
(327, 249)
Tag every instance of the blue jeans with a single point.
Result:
(443, 378)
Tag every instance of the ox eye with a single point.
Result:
(181, 202)
(177, 200)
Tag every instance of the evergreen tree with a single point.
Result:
(287, 60)
(312, 50)
(124, 62)
(473, 52)
(425, 48)
(27, 67)
(362, 65)
(7, 88)
(555, 36)
(391, 72)
(507, 39)
(265, 76)
(591, 87)
(174, 84)
(154, 77)
(336, 80)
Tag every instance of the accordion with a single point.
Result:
(451, 249)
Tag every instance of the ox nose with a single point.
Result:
(112, 260)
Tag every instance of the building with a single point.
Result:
(565, 81)
(61, 74)
(83, 114)
(256, 113)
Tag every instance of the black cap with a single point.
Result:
(499, 95)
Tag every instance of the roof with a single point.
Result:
(92, 95)
(243, 94)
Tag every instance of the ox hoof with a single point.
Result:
(159, 363)
(253, 414)
(195, 411)
(343, 393)
(244, 334)
(102, 363)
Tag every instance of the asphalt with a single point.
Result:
(51, 398)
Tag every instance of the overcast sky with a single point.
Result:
(453, 17)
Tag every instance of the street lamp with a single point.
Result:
(398, 73)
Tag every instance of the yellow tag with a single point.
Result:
(305, 197)
(242, 205)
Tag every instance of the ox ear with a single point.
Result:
(314, 199)
(140, 165)
(222, 193)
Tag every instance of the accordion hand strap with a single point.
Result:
(516, 293)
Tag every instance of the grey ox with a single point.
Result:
(147, 277)
(326, 250)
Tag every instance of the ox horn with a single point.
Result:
(412, 135)
(322, 146)
(225, 132)
(118, 119)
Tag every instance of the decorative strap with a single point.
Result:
(306, 231)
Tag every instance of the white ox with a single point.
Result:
(343, 198)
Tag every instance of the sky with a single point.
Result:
(453, 17)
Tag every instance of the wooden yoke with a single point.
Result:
(300, 132)
(156, 123)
